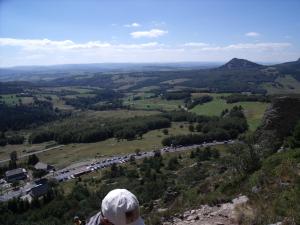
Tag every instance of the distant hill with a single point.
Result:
(293, 64)
(236, 63)
(292, 68)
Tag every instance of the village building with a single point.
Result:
(15, 174)
(43, 166)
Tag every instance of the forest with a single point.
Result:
(23, 116)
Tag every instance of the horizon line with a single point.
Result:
(167, 62)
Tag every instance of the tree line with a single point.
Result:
(176, 95)
(191, 103)
(246, 98)
(75, 131)
(11, 140)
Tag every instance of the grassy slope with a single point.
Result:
(278, 182)
(290, 86)
(253, 110)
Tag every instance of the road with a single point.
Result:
(32, 153)
(76, 171)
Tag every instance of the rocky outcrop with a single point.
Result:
(278, 121)
(224, 214)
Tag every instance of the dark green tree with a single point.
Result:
(32, 160)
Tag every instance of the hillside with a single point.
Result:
(271, 191)
(292, 68)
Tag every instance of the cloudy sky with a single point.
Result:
(35, 32)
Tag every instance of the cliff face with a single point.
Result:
(278, 121)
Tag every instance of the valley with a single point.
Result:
(130, 128)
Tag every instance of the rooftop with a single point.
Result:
(15, 172)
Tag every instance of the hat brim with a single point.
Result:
(139, 221)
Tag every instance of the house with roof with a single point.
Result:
(39, 190)
(15, 174)
(43, 166)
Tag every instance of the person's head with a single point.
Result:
(76, 220)
(121, 207)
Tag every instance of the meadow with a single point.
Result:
(254, 111)
(13, 99)
(156, 103)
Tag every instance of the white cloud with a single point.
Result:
(46, 44)
(154, 33)
(195, 44)
(267, 46)
(252, 34)
(34, 43)
(45, 51)
(135, 24)
(258, 46)
(145, 45)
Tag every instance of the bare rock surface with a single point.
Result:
(223, 214)
(278, 121)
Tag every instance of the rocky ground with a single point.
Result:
(223, 214)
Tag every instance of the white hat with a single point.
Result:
(121, 207)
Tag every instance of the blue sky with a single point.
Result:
(42, 32)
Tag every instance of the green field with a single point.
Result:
(254, 111)
(148, 88)
(154, 104)
(10, 99)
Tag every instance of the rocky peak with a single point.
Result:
(236, 63)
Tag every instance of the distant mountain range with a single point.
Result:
(33, 73)
(237, 75)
